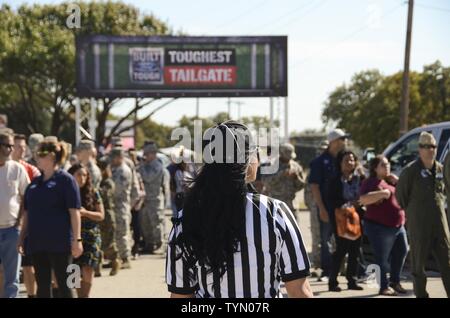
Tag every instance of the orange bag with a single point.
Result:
(347, 223)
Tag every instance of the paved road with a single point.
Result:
(146, 278)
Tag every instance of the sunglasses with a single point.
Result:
(9, 146)
(43, 153)
(428, 146)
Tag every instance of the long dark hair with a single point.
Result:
(87, 191)
(373, 164)
(340, 157)
(213, 217)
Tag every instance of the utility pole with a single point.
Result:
(404, 106)
(286, 120)
(229, 108)
(271, 113)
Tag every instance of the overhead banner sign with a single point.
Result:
(128, 66)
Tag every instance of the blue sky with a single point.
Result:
(328, 41)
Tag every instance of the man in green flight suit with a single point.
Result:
(421, 192)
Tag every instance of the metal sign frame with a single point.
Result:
(267, 54)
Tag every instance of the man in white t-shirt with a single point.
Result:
(13, 182)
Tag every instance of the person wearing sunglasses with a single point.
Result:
(52, 221)
(384, 224)
(421, 192)
(13, 182)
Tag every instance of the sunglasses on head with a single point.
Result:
(6, 145)
(428, 146)
(43, 153)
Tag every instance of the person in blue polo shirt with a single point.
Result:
(322, 170)
(52, 221)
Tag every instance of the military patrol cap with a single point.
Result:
(85, 145)
(287, 151)
(117, 152)
(34, 140)
(150, 147)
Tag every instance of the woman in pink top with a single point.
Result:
(384, 224)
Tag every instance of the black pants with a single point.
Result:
(43, 264)
(344, 247)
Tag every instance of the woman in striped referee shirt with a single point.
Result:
(231, 242)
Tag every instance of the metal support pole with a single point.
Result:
(93, 118)
(286, 120)
(77, 121)
(197, 108)
(271, 112)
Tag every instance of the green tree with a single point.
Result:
(257, 122)
(368, 107)
(151, 130)
(37, 60)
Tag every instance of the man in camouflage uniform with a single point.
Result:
(108, 225)
(421, 192)
(136, 194)
(84, 154)
(288, 180)
(122, 177)
(156, 184)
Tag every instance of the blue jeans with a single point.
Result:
(10, 261)
(390, 246)
(326, 231)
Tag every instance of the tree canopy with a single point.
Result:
(37, 60)
(369, 106)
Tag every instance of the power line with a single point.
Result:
(348, 37)
(242, 14)
(276, 20)
(425, 6)
(303, 15)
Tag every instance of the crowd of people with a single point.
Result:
(397, 214)
(93, 210)
(100, 210)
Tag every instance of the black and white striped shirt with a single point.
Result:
(273, 251)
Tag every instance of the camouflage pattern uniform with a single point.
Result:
(156, 179)
(135, 189)
(315, 226)
(283, 187)
(108, 225)
(122, 178)
(135, 194)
